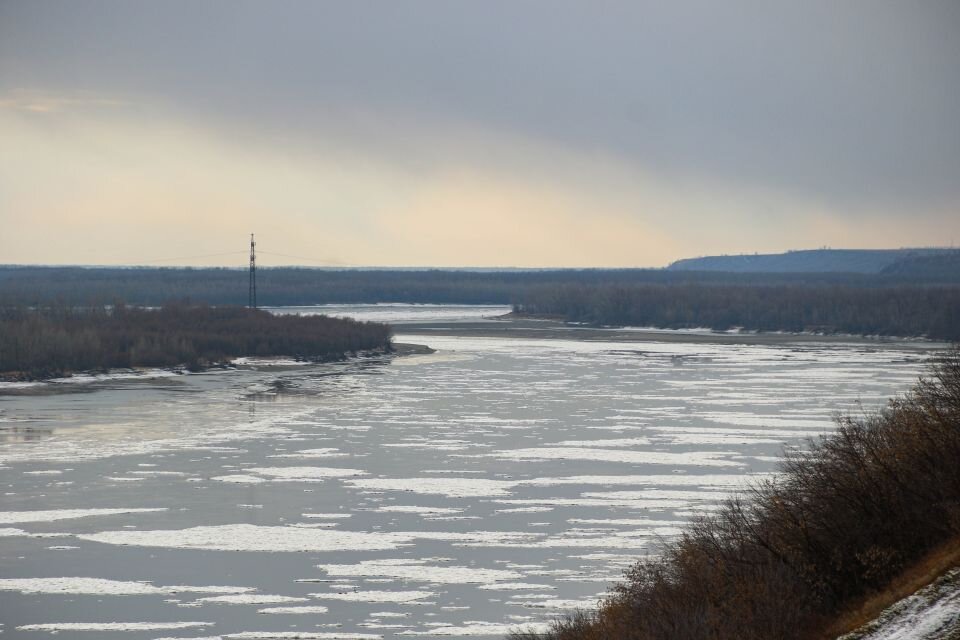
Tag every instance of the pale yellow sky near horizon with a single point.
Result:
(100, 180)
(548, 133)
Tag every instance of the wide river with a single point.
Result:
(499, 481)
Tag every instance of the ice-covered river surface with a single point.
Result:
(496, 482)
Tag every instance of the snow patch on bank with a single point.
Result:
(933, 613)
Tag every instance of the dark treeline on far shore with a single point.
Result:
(903, 310)
(48, 341)
(31, 285)
(905, 302)
(795, 557)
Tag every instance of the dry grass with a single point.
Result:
(924, 572)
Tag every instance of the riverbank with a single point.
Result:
(511, 326)
(53, 342)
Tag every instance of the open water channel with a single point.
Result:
(499, 481)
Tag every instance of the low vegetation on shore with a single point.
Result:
(910, 311)
(795, 554)
(906, 302)
(51, 341)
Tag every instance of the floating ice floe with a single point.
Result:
(450, 487)
(690, 458)
(312, 453)
(111, 626)
(248, 537)
(559, 603)
(305, 474)
(312, 609)
(103, 586)
(477, 629)
(51, 515)
(419, 571)
(249, 598)
(375, 596)
(515, 586)
(418, 510)
(725, 481)
(299, 635)
(618, 442)
(240, 478)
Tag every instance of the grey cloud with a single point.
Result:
(852, 103)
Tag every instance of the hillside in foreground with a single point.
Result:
(801, 556)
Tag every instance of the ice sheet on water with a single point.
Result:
(617, 442)
(450, 487)
(724, 481)
(419, 571)
(516, 586)
(305, 474)
(324, 452)
(248, 537)
(397, 508)
(300, 635)
(102, 586)
(51, 515)
(249, 598)
(476, 629)
(690, 458)
(111, 626)
(399, 597)
(306, 610)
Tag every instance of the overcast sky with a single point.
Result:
(474, 134)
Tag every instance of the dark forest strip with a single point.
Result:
(930, 311)
(46, 342)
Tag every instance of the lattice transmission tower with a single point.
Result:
(253, 274)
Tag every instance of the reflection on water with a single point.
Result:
(496, 482)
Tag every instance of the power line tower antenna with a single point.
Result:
(253, 274)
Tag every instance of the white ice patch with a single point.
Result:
(104, 587)
(727, 481)
(477, 629)
(312, 609)
(111, 626)
(450, 487)
(419, 510)
(690, 458)
(299, 635)
(248, 537)
(375, 596)
(305, 474)
(239, 478)
(51, 515)
(249, 598)
(618, 442)
(516, 586)
(312, 453)
(419, 571)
